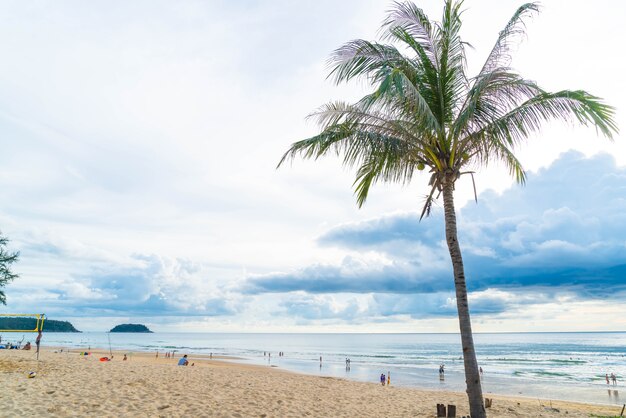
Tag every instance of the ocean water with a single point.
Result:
(567, 366)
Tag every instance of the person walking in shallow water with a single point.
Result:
(607, 378)
(614, 379)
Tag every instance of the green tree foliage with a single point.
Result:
(426, 113)
(28, 324)
(130, 328)
(6, 259)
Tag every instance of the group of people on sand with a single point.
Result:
(613, 378)
(18, 346)
(386, 379)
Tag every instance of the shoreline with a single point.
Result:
(539, 373)
(204, 358)
(143, 385)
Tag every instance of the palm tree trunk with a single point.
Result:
(472, 377)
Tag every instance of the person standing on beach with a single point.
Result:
(607, 378)
(382, 379)
(388, 378)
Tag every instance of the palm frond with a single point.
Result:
(429, 200)
(397, 92)
(380, 118)
(493, 95)
(500, 55)
(317, 145)
(407, 23)
(453, 83)
(386, 164)
(567, 105)
(384, 148)
(360, 58)
(497, 139)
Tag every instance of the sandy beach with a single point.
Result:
(68, 384)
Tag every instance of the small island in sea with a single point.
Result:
(130, 328)
(28, 324)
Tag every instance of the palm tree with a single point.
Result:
(426, 112)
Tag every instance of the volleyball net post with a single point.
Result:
(24, 323)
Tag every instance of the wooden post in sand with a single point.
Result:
(488, 402)
(621, 414)
(441, 410)
(451, 411)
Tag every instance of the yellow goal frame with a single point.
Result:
(40, 318)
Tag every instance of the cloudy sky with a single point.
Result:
(138, 146)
